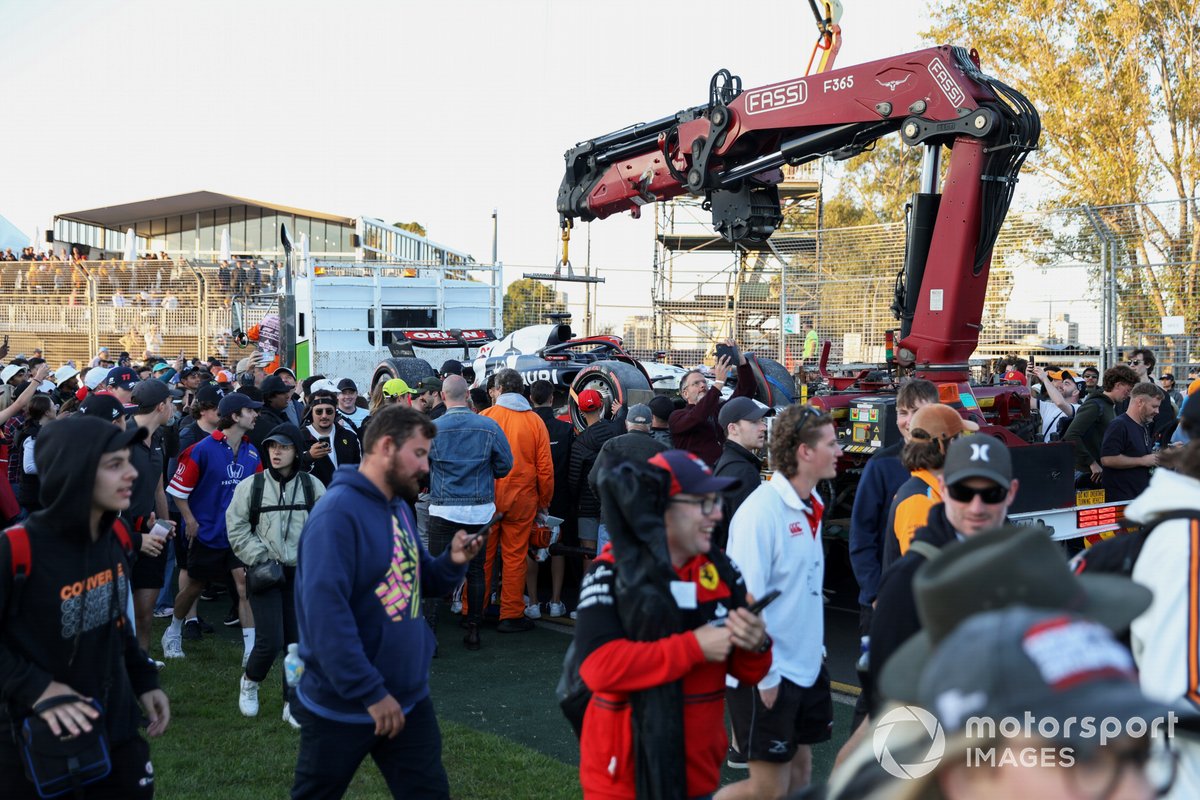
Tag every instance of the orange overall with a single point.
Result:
(519, 495)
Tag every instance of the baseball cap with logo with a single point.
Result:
(690, 475)
(639, 414)
(104, 406)
(939, 421)
(1015, 376)
(1050, 664)
(589, 400)
(121, 378)
(396, 387)
(209, 394)
(323, 385)
(223, 376)
(977, 456)
(743, 408)
(993, 570)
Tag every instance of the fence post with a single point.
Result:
(1108, 310)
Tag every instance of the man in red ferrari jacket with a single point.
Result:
(614, 666)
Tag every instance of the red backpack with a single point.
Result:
(21, 560)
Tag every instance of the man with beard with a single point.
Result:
(366, 648)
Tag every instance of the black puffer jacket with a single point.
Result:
(583, 456)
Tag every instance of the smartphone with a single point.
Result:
(725, 351)
(482, 530)
(323, 440)
(756, 608)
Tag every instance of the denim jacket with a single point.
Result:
(469, 454)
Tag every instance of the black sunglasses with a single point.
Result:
(322, 411)
(961, 493)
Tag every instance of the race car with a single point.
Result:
(551, 352)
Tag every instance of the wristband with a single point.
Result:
(766, 644)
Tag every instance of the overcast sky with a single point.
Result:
(435, 112)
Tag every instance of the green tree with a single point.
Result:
(527, 302)
(1119, 93)
(411, 227)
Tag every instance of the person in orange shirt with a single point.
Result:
(527, 489)
(932, 428)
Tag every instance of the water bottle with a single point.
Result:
(293, 665)
(864, 646)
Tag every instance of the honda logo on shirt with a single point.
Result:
(235, 471)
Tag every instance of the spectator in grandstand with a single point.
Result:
(58, 653)
(661, 407)
(1059, 404)
(1127, 452)
(427, 397)
(238, 284)
(203, 486)
(348, 405)
(328, 442)
(366, 649)
(745, 424)
(468, 455)
(931, 430)
(265, 520)
(584, 452)
(520, 496)
(695, 427)
(775, 539)
(224, 276)
(977, 487)
(617, 757)
(1095, 414)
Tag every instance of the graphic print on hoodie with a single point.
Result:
(400, 590)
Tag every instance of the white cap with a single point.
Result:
(323, 385)
(64, 373)
(47, 387)
(95, 376)
(8, 372)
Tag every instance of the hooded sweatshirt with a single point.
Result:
(532, 473)
(361, 574)
(68, 595)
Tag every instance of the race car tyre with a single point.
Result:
(772, 388)
(409, 370)
(614, 380)
(780, 379)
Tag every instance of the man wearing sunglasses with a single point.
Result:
(330, 444)
(977, 487)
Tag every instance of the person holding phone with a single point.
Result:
(695, 427)
(329, 442)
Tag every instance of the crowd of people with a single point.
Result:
(342, 525)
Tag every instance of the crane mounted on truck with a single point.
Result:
(729, 152)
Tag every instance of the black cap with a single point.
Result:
(209, 393)
(286, 433)
(234, 402)
(121, 378)
(661, 406)
(346, 384)
(148, 394)
(102, 406)
(742, 408)
(429, 384)
(251, 391)
(451, 367)
(273, 385)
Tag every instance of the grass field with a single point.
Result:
(503, 735)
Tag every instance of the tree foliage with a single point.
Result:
(411, 227)
(527, 302)
(1117, 85)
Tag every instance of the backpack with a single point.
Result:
(256, 497)
(1118, 554)
(21, 556)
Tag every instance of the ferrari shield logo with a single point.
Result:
(708, 577)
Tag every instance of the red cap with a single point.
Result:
(1015, 376)
(589, 400)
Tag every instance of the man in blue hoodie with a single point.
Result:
(366, 648)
